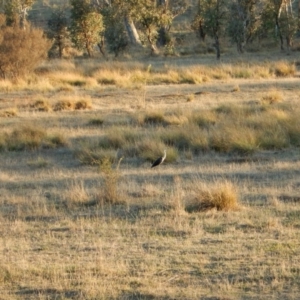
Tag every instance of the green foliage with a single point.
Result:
(198, 22)
(16, 11)
(214, 16)
(58, 30)
(115, 32)
(86, 25)
(244, 22)
(154, 18)
(31, 138)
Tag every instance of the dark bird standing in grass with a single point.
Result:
(160, 160)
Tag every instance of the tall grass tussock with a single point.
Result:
(221, 196)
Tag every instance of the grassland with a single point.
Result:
(82, 214)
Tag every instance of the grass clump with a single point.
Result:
(55, 141)
(222, 196)
(111, 176)
(83, 104)
(63, 105)
(9, 113)
(96, 122)
(76, 194)
(91, 155)
(204, 119)
(178, 137)
(25, 138)
(41, 105)
(28, 137)
(38, 163)
(273, 96)
(284, 69)
(154, 118)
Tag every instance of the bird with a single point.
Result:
(160, 160)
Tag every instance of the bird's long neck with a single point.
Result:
(165, 155)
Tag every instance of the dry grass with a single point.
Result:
(67, 75)
(29, 137)
(271, 97)
(219, 219)
(221, 196)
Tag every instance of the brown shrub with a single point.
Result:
(21, 50)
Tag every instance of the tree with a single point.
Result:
(213, 13)
(169, 9)
(198, 22)
(115, 32)
(279, 15)
(86, 25)
(58, 30)
(122, 11)
(244, 21)
(286, 22)
(16, 11)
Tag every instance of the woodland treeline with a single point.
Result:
(115, 26)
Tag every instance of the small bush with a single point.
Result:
(221, 196)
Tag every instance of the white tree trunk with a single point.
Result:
(132, 32)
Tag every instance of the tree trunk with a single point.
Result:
(217, 45)
(23, 15)
(60, 46)
(298, 16)
(163, 36)
(132, 32)
(101, 46)
(202, 34)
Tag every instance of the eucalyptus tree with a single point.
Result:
(280, 17)
(244, 21)
(86, 25)
(198, 25)
(16, 11)
(115, 34)
(285, 20)
(58, 29)
(154, 19)
(169, 10)
(213, 15)
(120, 11)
